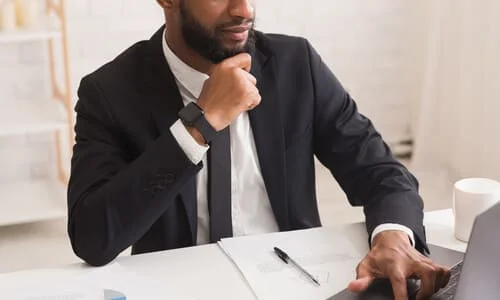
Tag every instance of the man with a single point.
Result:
(154, 171)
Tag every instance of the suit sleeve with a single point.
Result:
(113, 199)
(347, 143)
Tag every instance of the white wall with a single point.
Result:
(459, 129)
(376, 49)
(100, 30)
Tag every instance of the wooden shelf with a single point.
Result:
(37, 200)
(26, 35)
(31, 201)
(24, 117)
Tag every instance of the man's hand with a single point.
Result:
(229, 91)
(392, 256)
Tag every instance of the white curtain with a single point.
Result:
(458, 128)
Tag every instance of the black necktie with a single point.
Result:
(219, 186)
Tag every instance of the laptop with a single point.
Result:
(475, 275)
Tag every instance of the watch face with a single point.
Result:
(192, 116)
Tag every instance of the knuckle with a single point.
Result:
(427, 260)
(430, 270)
(434, 268)
(240, 78)
(220, 68)
(390, 255)
(399, 278)
(236, 73)
(225, 63)
(246, 56)
(371, 256)
(248, 93)
(362, 265)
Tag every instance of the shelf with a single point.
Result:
(30, 201)
(25, 35)
(22, 117)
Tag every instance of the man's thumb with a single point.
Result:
(360, 284)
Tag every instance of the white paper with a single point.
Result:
(53, 288)
(134, 287)
(326, 253)
(89, 285)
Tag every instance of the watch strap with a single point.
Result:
(193, 116)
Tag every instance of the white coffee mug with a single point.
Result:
(471, 197)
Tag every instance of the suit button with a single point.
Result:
(169, 178)
(161, 185)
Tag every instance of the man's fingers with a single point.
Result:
(251, 78)
(442, 277)
(242, 60)
(427, 274)
(399, 287)
(445, 277)
(360, 284)
(364, 278)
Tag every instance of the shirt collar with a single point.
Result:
(191, 79)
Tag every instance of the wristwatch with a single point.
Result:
(193, 116)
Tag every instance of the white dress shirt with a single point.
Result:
(250, 207)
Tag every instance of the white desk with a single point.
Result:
(204, 272)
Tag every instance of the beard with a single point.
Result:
(208, 43)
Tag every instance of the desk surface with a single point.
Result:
(205, 272)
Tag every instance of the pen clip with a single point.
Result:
(282, 255)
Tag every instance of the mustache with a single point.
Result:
(237, 22)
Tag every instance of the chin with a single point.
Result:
(237, 47)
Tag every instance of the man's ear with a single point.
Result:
(166, 4)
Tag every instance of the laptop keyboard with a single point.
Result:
(448, 292)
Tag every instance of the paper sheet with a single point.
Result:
(47, 285)
(90, 285)
(134, 287)
(326, 253)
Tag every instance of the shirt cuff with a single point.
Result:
(391, 226)
(188, 144)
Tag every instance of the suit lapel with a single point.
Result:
(267, 129)
(162, 96)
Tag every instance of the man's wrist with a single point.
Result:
(393, 227)
(194, 151)
(196, 134)
(394, 235)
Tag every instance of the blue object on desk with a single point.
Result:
(113, 295)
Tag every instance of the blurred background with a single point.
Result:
(426, 72)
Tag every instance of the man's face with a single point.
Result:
(217, 29)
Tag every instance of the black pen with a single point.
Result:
(284, 257)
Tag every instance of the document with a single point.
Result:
(47, 284)
(325, 253)
(112, 282)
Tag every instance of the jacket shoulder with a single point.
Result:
(124, 66)
(282, 45)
